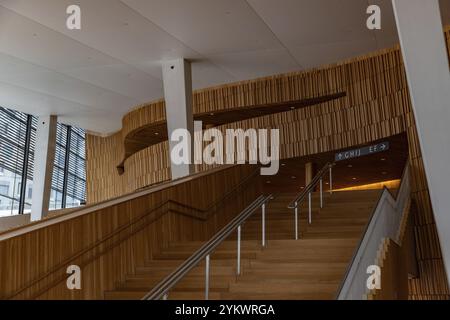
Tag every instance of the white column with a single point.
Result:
(177, 79)
(44, 157)
(309, 173)
(423, 45)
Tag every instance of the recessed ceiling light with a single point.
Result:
(268, 182)
(353, 178)
(283, 164)
(327, 183)
(211, 114)
(350, 166)
(383, 159)
(156, 133)
(293, 177)
(384, 172)
(302, 187)
(292, 108)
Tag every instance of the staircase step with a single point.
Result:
(309, 268)
(283, 286)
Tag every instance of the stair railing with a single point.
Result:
(384, 222)
(308, 190)
(162, 289)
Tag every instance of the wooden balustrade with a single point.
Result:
(110, 239)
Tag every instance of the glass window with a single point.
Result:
(13, 128)
(71, 140)
(4, 188)
(13, 137)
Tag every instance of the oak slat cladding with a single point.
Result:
(109, 243)
(377, 105)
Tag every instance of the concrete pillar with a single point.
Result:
(44, 157)
(310, 172)
(423, 46)
(177, 79)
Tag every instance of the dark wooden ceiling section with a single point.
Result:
(157, 132)
(383, 166)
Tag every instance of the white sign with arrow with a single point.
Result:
(364, 151)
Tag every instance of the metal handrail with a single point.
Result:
(318, 179)
(311, 185)
(161, 290)
(403, 180)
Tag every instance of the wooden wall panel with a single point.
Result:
(377, 105)
(394, 276)
(109, 243)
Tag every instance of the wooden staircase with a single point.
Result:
(309, 268)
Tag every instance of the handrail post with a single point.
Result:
(263, 216)
(166, 296)
(296, 220)
(205, 251)
(321, 194)
(207, 278)
(309, 206)
(239, 251)
(331, 181)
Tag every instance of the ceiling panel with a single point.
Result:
(123, 79)
(31, 41)
(318, 55)
(204, 72)
(309, 22)
(387, 36)
(45, 81)
(254, 64)
(210, 27)
(113, 63)
(36, 103)
(107, 25)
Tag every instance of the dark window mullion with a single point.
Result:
(66, 168)
(26, 156)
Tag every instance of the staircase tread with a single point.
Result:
(309, 268)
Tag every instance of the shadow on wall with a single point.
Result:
(13, 221)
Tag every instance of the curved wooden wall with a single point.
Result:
(377, 105)
(371, 110)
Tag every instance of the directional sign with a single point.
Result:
(364, 151)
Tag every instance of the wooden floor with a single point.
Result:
(309, 268)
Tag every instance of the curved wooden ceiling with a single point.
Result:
(155, 133)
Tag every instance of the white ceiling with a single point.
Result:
(92, 77)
